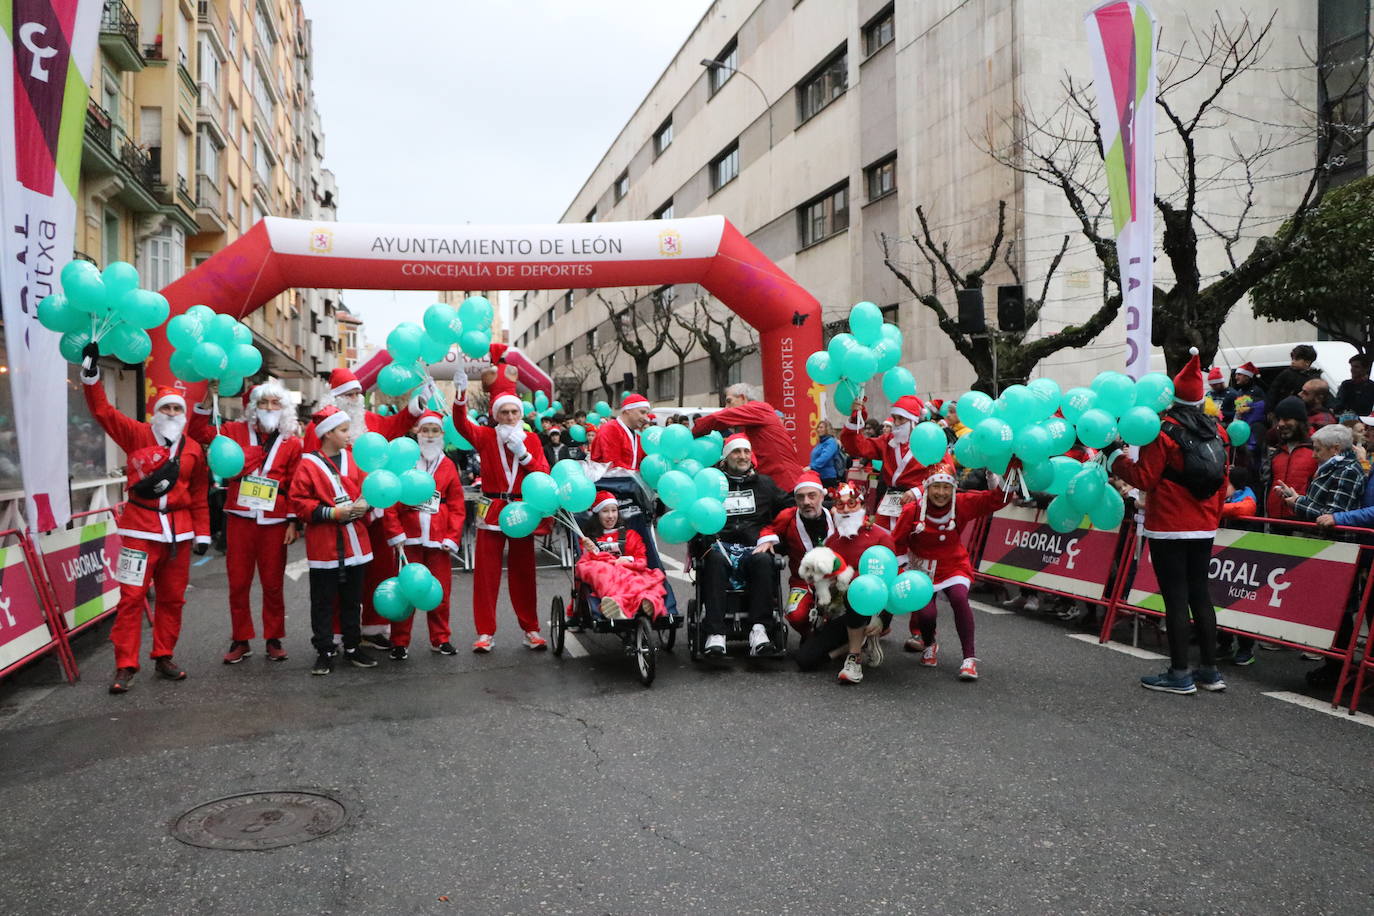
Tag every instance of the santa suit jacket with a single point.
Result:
(318, 487)
(609, 541)
(1171, 511)
(851, 549)
(392, 427)
(502, 472)
(618, 445)
(938, 550)
(788, 531)
(443, 528)
(183, 512)
(277, 462)
(900, 471)
(774, 450)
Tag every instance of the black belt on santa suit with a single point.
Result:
(508, 497)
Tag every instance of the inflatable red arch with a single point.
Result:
(277, 254)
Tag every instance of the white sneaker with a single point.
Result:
(852, 672)
(534, 641)
(715, 645)
(759, 643)
(873, 651)
(1032, 604)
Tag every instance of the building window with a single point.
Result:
(591, 340)
(591, 216)
(231, 201)
(665, 384)
(567, 354)
(1342, 87)
(207, 66)
(663, 137)
(881, 177)
(725, 167)
(567, 302)
(665, 211)
(262, 91)
(110, 238)
(663, 296)
(878, 33)
(207, 154)
(823, 85)
(162, 257)
(622, 186)
(825, 215)
(548, 318)
(233, 37)
(262, 163)
(728, 58)
(262, 21)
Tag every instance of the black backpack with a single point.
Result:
(1204, 458)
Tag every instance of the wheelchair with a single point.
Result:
(737, 625)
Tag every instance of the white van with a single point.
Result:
(1333, 359)
(663, 414)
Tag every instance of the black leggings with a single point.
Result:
(327, 592)
(1181, 568)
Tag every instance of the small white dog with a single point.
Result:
(829, 576)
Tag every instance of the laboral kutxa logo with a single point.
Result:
(321, 241)
(669, 243)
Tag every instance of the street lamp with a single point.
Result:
(710, 64)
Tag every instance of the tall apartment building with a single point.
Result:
(817, 128)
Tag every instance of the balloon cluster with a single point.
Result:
(566, 487)
(541, 407)
(107, 309)
(392, 476)
(413, 347)
(681, 469)
(208, 345)
(850, 360)
(413, 588)
(878, 586)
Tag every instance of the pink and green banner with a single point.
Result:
(23, 627)
(1121, 37)
(80, 567)
(1022, 547)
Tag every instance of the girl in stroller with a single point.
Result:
(614, 565)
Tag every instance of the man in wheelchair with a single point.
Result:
(727, 559)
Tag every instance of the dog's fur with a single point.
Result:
(816, 568)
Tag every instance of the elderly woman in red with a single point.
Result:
(614, 563)
(930, 529)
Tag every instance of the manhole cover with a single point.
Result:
(260, 820)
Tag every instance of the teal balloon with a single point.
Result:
(541, 401)
(475, 343)
(242, 333)
(225, 457)
(879, 561)
(244, 360)
(675, 442)
(706, 449)
(434, 349)
(898, 383)
(567, 469)
(1096, 428)
(974, 407)
(453, 438)
(416, 487)
(839, 347)
(143, 308)
(676, 527)
(56, 315)
(230, 384)
(518, 520)
(71, 345)
(414, 579)
(1033, 445)
(390, 601)
(1062, 434)
(866, 323)
(928, 442)
(1075, 403)
(1038, 477)
(707, 515)
(219, 330)
(382, 489)
(402, 454)
(602, 408)
(1139, 425)
(689, 466)
(650, 438)
(846, 393)
(859, 363)
(83, 287)
(1017, 401)
(888, 352)
(966, 452)
(822, 369)
(1046, 388)
(370, 451)
(1065, 469)
(892, 333)
(993, 437)
(202, 313)
(433, 596)
(867, 594)
(711, 484)
(1063, 516)
(1109, 511)
(182, 365)
(577, 432)
(1085, 489)
(676, 489)
(476, 312)
(397, 379)
(540, 490)
(405, 341)
(1155, 391)
(132, 345)
(652, 468)
(185, 331)
(119, 277)
(441, 323)
(1238, 431)
(1115, 392)
(209, 359)
(576, 494)
(911, 591)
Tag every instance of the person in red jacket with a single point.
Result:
(617, 442)
(1181, 523)
(507, 453)
(774, 448)
(1290, 463)
(167, 509)
(259, 524)
(432, 532)
(615, 564)
(796, 530)
(901, 473)
(326, 493)
(930, 530)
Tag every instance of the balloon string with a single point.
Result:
(214, 410)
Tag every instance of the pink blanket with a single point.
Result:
(628, 583)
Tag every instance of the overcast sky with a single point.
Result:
(456, 111)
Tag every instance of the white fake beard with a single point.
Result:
(431, 449)
(268, 420)
(847, 524)
(901, 434)
(353, 407)
(168, 428)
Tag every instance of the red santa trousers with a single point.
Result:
(248, 547)
(382, 567)
(438, 563)
(486, 581)
(166, 572)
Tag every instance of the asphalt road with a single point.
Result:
(522, 783)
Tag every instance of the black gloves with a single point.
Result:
(89, 354)
(200, 549)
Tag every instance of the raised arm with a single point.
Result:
(125, 431)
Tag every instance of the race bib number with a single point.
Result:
(739, 502)
(132, 566)
(430, 505)
(483, 504)
(925, 566)
(795, 598)
(258, 492)
(891, 505)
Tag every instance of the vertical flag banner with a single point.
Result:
(1121, 37)
(47, 56)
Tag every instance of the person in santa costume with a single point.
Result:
(775, 449)
(326, 493)
(617, 442)
(614, 563)
(507, 453)
(432, 532)
(794, 531)
(901, 474)
(1181, 521)
(930, 530)
(259, 523)
(166, 511)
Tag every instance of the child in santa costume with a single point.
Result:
(930, 529)
(614, 563)
(432, 532)
(617, 442)
(901, 474)
(166, 511)
(259, 523)
(507, 453)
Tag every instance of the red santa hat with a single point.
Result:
(1188, 382)
(604, 500)
(167, 395)
(506, 397)
(808, 480)
(633, 400)
(342, 381)
(1247, 369)
(1214, 376)
(736, 441)
(431, 416)
(942, 473)
(908, 407)
(327, 418)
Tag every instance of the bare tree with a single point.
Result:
(640, 332)
(571, 380)
(603, 357)
(682, 345)
(716, 335)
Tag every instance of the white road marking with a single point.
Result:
(296, 569)
(1297, 699)
(573, 646)
(989, 608)
(1091, 640)
(673, 569)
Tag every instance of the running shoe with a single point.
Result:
(873, 651)
(759, 643)
(484, 644)
(238, 651)
(914, 643)
(275, 652)
(1169, 682)
(610, 609)
(123, 680)
(359, 658)
(399, 653)
(324, 664)
(169, 669)
(1244, 658)
(377, 641)
(444, 648)
(534, 641)
(1209, 680)
(852, 672)
(968, 671)
(928, 656)
(715, 645)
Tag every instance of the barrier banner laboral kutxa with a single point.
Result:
(1022, 547)
(80, 567)
(23, 625)
(1288, 588)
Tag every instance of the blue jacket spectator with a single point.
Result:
(826, 458)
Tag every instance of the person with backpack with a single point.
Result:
(1184, 473)
(826, 458)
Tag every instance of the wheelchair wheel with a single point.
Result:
(667, 637)
(693, 644)
(558, 625)
(645, 650)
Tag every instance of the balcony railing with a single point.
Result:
(99, 125)
(184, 193)
(117, 18)
(208, 196)
(140, 164)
